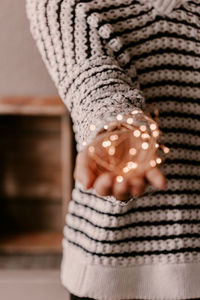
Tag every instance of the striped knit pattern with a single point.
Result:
(106, 57)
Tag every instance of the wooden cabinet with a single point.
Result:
(36, 167)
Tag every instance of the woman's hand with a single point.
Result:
(105, 184)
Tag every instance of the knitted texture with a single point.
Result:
(76, 57)
(106, 57)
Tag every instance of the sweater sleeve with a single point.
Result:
(90, 80)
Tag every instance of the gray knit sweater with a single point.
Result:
(111, 56)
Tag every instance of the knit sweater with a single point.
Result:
(108, 57)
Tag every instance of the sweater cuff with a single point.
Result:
(109, 116)
(95, 93)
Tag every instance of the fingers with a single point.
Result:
(106, 185)
(121, 190)
(136, 185)
(156, 178)
(84, 170)
(103, 184)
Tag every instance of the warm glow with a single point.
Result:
(105, 127)
(143, 127)
(136, 133)
(145, 136)
(106, 144)
(158, 160)
(111, 150)
(132, 151)
(155, 133)
(129, 121)
(119, 179)
(166, 150)
(114, 137)
(119, 117)
(132, 165)
(125, 170)
(153, 126)
(152, 163)
(91, 149)
(136, 111)
(92, 127)
(145, 145)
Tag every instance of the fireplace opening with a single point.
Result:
(35, 186)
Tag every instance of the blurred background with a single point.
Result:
(36, 162)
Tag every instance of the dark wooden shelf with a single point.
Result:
(31, 243)
(33, 106)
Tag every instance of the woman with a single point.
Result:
(111, 57)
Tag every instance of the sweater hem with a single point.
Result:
(155, 282)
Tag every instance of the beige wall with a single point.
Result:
(22, 71)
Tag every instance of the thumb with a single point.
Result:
(156, 178)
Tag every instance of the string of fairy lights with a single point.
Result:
(127, 144)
